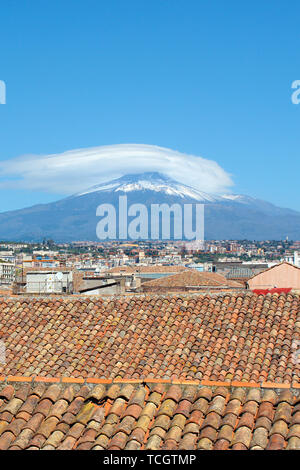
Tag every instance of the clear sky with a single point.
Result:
(204, 77)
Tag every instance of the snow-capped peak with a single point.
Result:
(152, 182)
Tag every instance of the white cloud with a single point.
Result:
(77, 170)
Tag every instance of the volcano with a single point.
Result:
(227, 217)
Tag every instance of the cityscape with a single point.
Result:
(32, 268)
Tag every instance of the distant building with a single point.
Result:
(48, 282)
(293, 258)
(7, 273)
(280, 276)
(191, 281)
(147, 272)
(102, 286)
(238, 269)
(201, 267)
(7, 256)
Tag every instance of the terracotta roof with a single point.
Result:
(147, 416)
(192, 277)
(5, 290)
(274, 267)
(239, 336)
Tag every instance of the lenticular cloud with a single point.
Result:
(77, 170)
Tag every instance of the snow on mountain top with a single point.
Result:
(160, 183)
(151, 182)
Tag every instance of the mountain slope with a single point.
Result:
(74, 218)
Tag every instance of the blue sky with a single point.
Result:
(208, 78)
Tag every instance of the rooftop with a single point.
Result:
(225, 337)
(60, 415)
(152, 372)
(148, 269)
(193, 278)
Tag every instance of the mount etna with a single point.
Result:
(227, 217)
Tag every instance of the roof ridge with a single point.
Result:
(146, 380)
(242, 293)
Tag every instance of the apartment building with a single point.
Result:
(7, 273)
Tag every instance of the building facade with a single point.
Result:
(7, 273)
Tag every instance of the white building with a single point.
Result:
(7, 256)
(293, 259)
(7, 273)
(47, 282)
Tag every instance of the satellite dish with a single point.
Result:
(59, 276)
